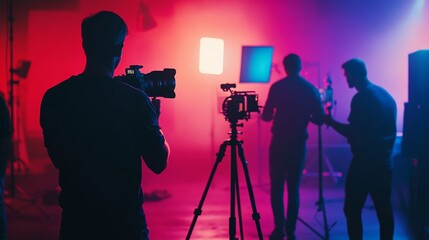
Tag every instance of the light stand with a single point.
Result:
(329, 103)
(321, 202)
(20, 72)
(11, 100)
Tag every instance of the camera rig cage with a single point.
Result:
(239, 104)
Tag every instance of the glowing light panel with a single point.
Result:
(211, 55)
(256, 64)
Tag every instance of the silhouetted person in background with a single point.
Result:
(5, 154)
(97, 130)
(292, 102)
(371, 133)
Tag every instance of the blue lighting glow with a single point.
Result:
(256, 64)
(417, 9)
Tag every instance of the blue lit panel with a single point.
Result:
(256, 64)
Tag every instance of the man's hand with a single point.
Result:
(341, 128)
(328, 120)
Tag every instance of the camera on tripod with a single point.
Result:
(239, 105)
(154, 84)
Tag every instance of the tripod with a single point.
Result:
(234, 186)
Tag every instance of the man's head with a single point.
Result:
(292, 64)
(355, 72)
(103, 36)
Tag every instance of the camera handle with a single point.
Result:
(157, 105)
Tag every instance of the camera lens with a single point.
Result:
(160, 83)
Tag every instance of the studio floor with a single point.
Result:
(34, 215)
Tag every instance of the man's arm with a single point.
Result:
(53, 133)
(156, 155)
(341, 128)
(155, 148)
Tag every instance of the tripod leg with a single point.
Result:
(232, 219)
(32, 201)
(256, 216)
(240, 218)
(311, 228)
(198, 210)
(334, 175)
(322, 207)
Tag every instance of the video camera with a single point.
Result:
(239, 105)
(154, 84)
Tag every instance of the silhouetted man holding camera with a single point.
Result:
(371, 133)
(292, 103)
(97, 130)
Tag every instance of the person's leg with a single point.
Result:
(295, 165)
(381, 195)
(277, 179)
(355, 197)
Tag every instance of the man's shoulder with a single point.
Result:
(60, 86)
(127, 90)
(81, 82)
(306, 86)
(279, 82)
(374, 90)
(283, 82)
(295, 82)
(386, 97)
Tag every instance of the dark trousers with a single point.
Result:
(96, 225)
(369, 176)
(286, 165)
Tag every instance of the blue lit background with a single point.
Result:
(256, 64)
